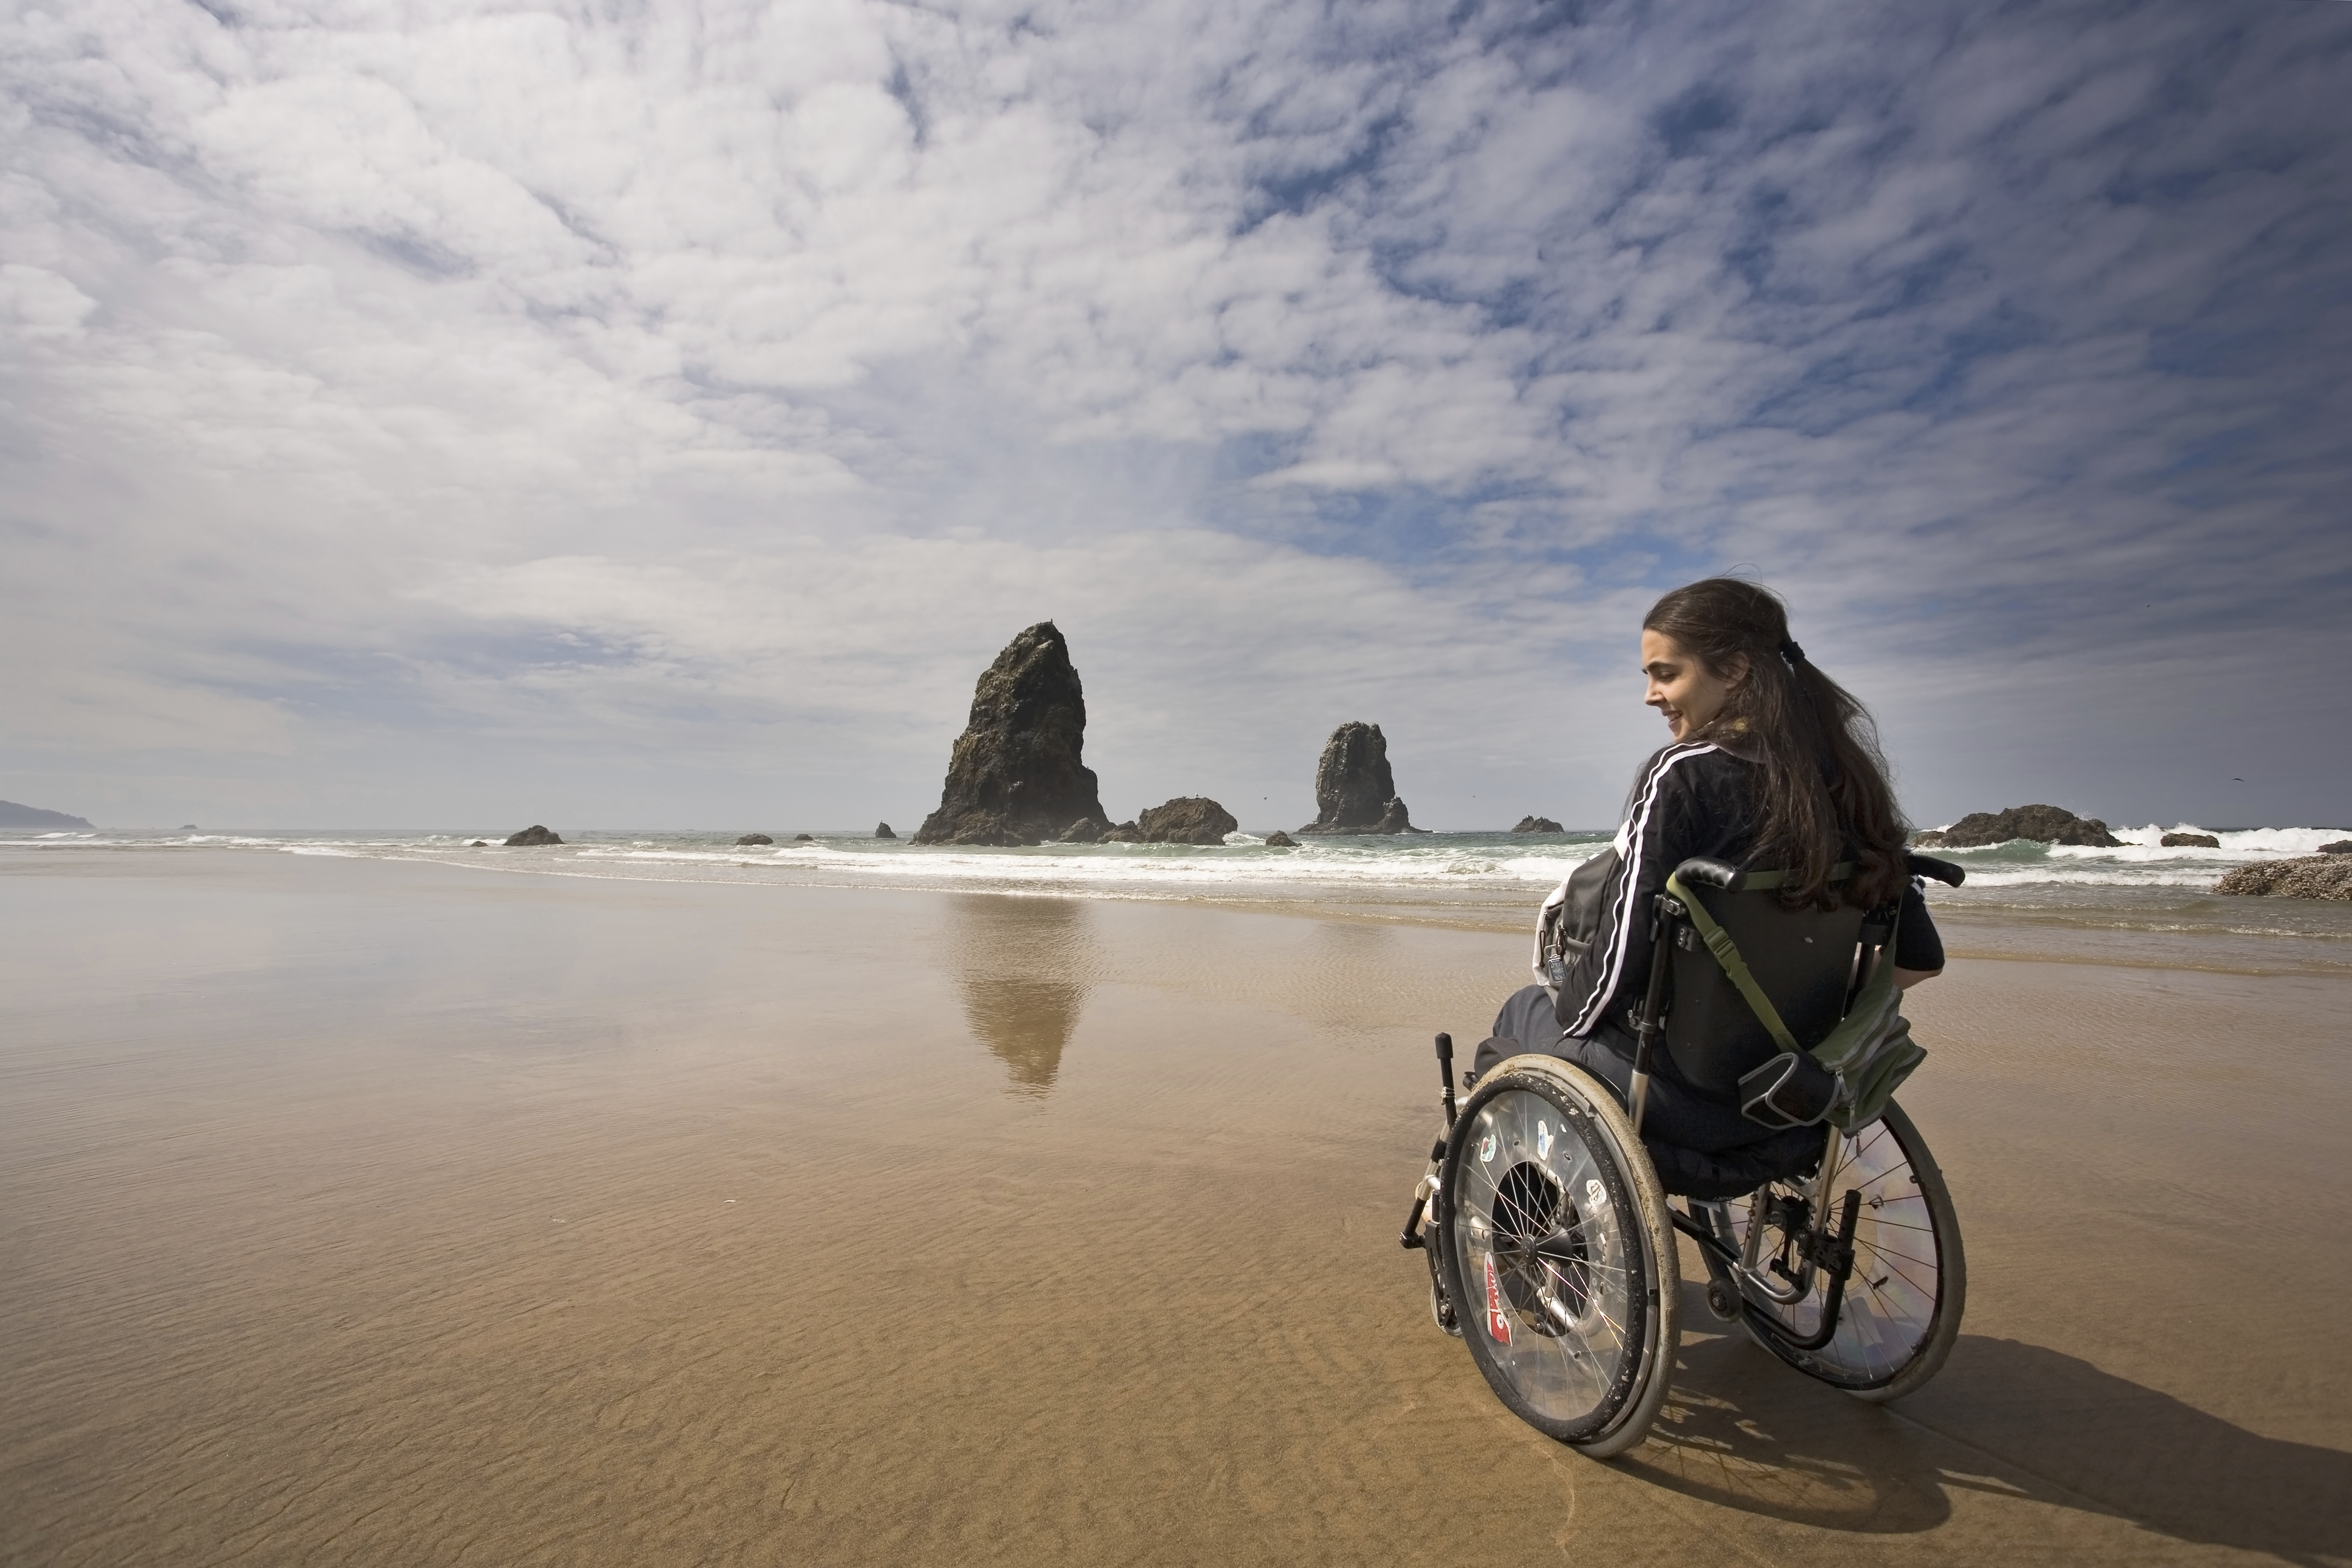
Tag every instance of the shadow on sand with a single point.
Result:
(1021, 971)
(1745, 1431)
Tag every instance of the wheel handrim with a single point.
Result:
(1552, 1278)
(1891, 1297)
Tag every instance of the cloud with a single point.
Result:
(733, 378)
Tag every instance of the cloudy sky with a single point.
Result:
(652, 413)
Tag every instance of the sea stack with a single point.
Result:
(1354, 791)
(882, 830)
(1537, 824)
(532, 836)
(1017, 775)
(1187, 819)
(2042, 824)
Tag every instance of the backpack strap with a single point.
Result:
(1726, 953)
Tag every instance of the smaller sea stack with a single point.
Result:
(2042, 824)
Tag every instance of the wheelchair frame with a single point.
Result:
(1742, 1283)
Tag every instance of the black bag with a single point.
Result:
(1570, 920)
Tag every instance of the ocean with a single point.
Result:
(1482, 881)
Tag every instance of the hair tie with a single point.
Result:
(1790, 651)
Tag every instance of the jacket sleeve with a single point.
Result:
(1655, 837)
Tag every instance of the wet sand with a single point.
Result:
(365, 1212)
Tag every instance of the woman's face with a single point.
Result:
(1688, 693)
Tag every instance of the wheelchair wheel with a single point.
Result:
(1903, 1304)
(1558, 1257)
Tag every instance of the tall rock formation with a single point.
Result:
(1016, 775)
(1354, 791)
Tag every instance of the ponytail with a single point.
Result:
(1825, 792)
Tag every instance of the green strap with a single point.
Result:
(1765, 881)
(1735, 968)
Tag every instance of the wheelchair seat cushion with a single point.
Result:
(1733, 1173)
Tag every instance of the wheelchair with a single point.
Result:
(1550, 1235)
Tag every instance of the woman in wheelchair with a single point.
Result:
(1715, 987)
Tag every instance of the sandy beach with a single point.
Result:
(364, 1211)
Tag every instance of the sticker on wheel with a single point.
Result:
(1595, 1194)
(1499, 1327)
(1486, 1150)
(1543, 1139)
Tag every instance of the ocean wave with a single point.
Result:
(1179, 865)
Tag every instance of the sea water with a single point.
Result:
(1487, 880)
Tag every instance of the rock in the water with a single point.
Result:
(1018, 773)
(882, 830)
(1085, 830)
(1537, 824)
(2189, 841)
(2341, 847)
(755, 839)
(1124, 833)
(14, 815)
(1354, 791)
(1187, 819)
(2042, 824)
(533, 835)
(1278, 839)
(480, 844)
(804, 838)
(2327, 877)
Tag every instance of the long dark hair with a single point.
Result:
(1825, 791)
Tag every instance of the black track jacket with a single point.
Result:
(1692, 798)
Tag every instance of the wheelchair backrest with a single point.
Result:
(1804, 959)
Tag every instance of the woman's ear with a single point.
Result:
(1736, 668)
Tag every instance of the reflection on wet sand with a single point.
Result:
(1020, 968)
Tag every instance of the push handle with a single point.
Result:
(1445, 1072)
(1944, 871)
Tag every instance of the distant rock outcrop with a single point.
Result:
(2341, 847)
(1354, 791)
(1278, 839)
(533, 835)
(1187, 819)
(1083, 831)
(1124, 833)
(804, 838)
(14, 815)
(2327, 877)
(2189, 841)
(1017, 773)
(755, 839)
(1537, 824)
(882, 830)
(2042, 824)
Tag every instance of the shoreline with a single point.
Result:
(2135, 929)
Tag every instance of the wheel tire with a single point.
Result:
(1634, 1371)
(1934, 1347)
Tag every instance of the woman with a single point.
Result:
(1772, 764)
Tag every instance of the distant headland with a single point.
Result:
(14, 815)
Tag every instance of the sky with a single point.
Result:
(659, 414)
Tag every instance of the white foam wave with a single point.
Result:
(1172, 865)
